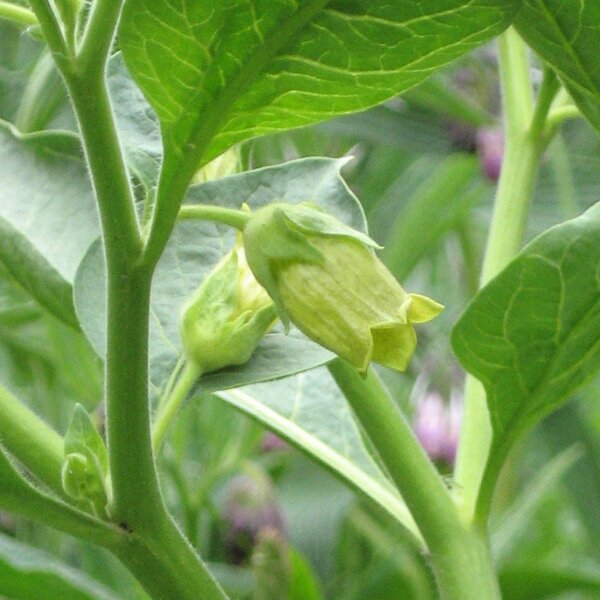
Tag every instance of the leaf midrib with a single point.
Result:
(218, 110)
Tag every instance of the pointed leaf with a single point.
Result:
(532, 334)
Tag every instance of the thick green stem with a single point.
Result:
(460, 556)
(227, 216)
(17, 14)
(122, 242)
(524, 143)
(37, 447)
(172, 404)
(164, 570)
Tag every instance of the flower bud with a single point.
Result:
(325, 278)
(227, 316)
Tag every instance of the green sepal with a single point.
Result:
(310, 218)
(270, 237)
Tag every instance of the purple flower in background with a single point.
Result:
(437, 426)
(490, 147)
(271, 442)
(250, 507)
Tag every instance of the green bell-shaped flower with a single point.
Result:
(227, 316)
(325, 278)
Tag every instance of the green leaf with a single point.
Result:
(532, 334)
(35, 274)
(46, 196)
(511, 528)
(567, 36)
(449, 193)
(195, 248)
(137, 123)
(564, 428)
(310, 412)
(82, 437)
(27, 573)
(219, 73)
(533, 581)
(303, 583)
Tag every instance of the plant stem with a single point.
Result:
(17, 14)
(167, 411)
(122, 242)
(460, 556)
(524, 143)
(98, 35)
(52, 33)
(37, 447)
(19, 496)
(227, 216)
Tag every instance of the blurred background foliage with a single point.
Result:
(273, 524)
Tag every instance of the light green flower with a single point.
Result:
(227, 316)
(326, 279)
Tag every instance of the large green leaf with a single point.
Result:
(194, 249)
(567, 36)
(220, 72)
(27, 573)
(35, 274)
(532, 335)
(311, 412)
(138, 126)
(46, 196)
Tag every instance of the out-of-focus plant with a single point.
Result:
(148, 279)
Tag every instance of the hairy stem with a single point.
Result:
(17, 14)
(53, 34)
(460, 556)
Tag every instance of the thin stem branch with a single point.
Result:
(98, 35)
(558, 115)
(460, 557)
(51, 28)
(173, 403)
(227, 216)
(17, 14)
